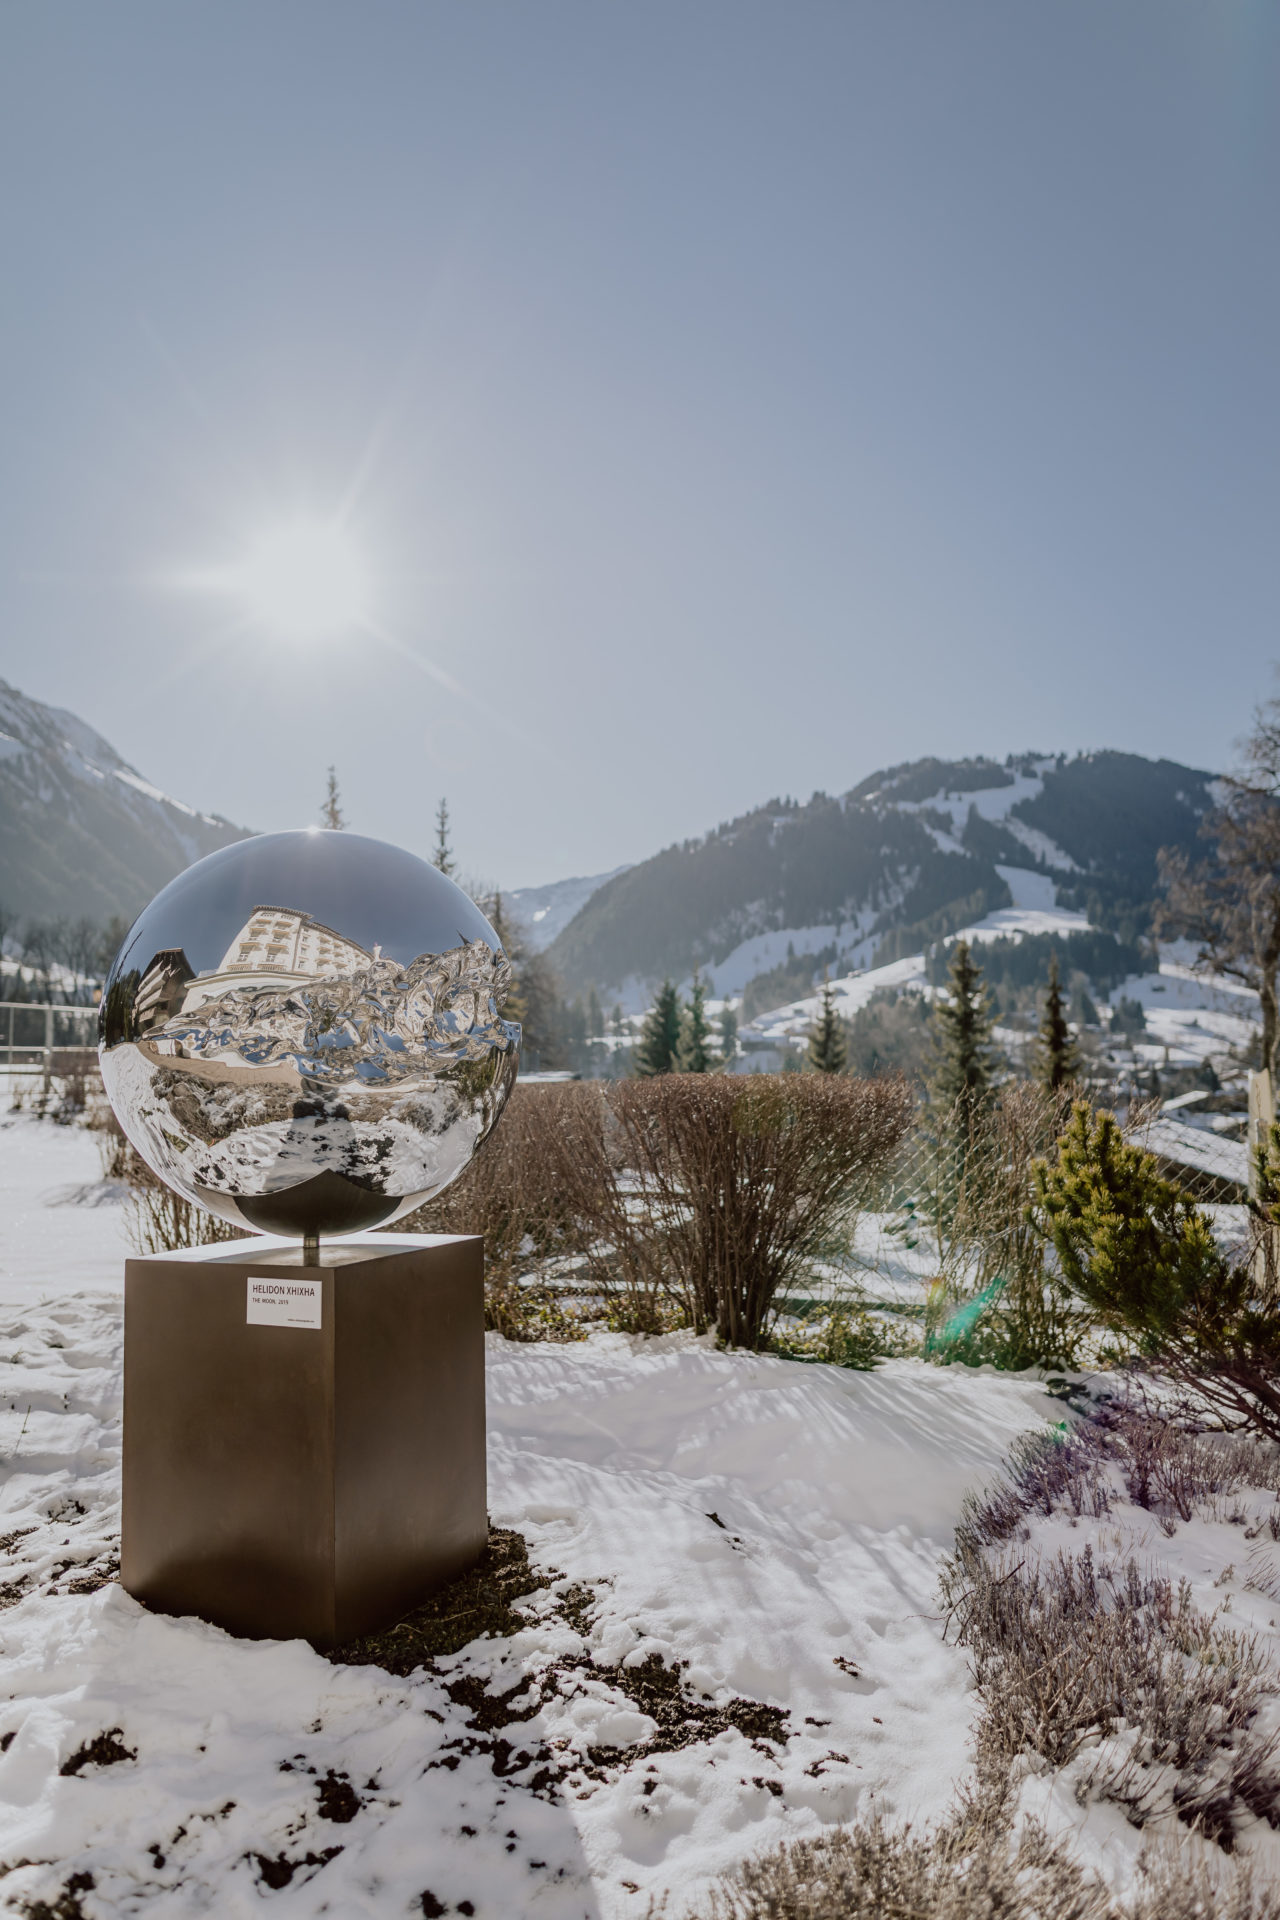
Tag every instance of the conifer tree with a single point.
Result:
(660, 1034)
(514, 1007)
(693, 1054)
(443, 855)
(728, 1035)
(595, 1015)
(828, 1050)
(331, 814)
(964, 1058)
(1058, 1060)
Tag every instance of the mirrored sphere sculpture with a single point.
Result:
(304, 1034)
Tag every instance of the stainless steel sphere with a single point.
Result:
(303, 1033)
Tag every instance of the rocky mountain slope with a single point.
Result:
(905, 857)
(82, 833)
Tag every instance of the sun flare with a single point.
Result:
(304, 581)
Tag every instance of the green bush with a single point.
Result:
(849, 1335)
(1143, 1257)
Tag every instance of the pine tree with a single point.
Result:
(331, 814)
(595, 1015)
(443, 855)
(1058, 1061)
(513, 1007)
(693, 1055)
(964, 1061)
(660, 1034)
(828, 1050)
(728, 1035)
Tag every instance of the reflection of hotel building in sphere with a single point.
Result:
(277, 947)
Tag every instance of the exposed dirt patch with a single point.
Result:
(339, 1800)
(279, 1872)
(95, 1578)
(683, 1717)
(106, 1749)
(487, 1601)
(479, 1602)
(66, 1905)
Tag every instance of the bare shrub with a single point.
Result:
(871, 1871)
(116, 1152)
(1067, 1652)
(1179, 1885)
(156, 1219)
(685, 1199)
(523, 1192)
(1071, 1655)
(726, 1189)
(78, 1084)
(874, 1872)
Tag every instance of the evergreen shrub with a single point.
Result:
(1143, 1257)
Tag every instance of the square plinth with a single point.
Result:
(304, 1446)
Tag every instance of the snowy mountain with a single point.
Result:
(909, 855)
(81, 831)
(544, 912)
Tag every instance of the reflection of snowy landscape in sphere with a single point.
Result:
(303, 1032)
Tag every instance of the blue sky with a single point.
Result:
(720, 399)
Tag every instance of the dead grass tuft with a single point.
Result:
(874, 1872)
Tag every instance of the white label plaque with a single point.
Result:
(282, 1301)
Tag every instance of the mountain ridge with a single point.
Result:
(906, 856)
(82, 832)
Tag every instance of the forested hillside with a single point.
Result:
(904, 857)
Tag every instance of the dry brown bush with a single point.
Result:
(874, 1872)
(718, 1191)
(1068, 1652)
(958, 1872)
(156, 1219)
(688, 1198)
(522, 1192)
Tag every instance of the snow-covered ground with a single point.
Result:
(775, 1527)
(60, 1224)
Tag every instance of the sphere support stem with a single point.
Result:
(311, 1249)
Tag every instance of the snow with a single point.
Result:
(1190, 1017)
(996, 804)
(132, 779)
(62, 1225)
(1196, 1147)
(1035, 892)
(813, 1588)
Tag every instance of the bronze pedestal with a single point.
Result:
(303, 1457)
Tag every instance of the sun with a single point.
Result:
(304, 581)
